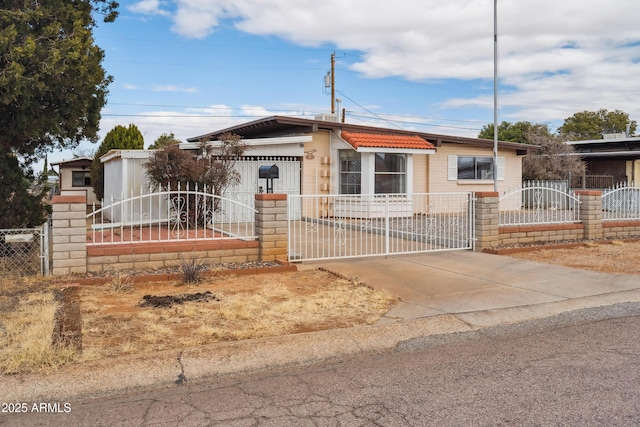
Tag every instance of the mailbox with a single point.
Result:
(269, 173)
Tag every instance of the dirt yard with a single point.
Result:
(119, 318)
(616, 257)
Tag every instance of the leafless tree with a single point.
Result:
(555, 160)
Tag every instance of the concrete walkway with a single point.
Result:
(440, 293)
(437, 283)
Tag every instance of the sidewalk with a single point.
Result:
(440, 293)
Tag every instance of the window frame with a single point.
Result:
(453, 169)
(85, 177)
(354, 157)
(392, 174)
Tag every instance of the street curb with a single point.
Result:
(173, 367)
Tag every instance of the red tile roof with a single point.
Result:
(371, 140)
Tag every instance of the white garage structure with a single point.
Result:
(125, 174)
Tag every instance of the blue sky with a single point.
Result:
(194, 66)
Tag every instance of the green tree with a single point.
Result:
(22, 201)
(52, 88)
(164, 140)
(587, 125)
(120, 137)
(513, 132)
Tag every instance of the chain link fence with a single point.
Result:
(24, 251)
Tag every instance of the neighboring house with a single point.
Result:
(610, 161)
(75, 178)
(343, 158)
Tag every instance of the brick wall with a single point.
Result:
(271, 226)
(523, 234)
(620, 229)
(72, 255)
(168, 254)
(489, 234)
(68, 235)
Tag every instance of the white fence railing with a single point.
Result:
(540, 202)
(621, 202)
(183, 213)
(340, 226)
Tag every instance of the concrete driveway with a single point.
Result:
(431, 284)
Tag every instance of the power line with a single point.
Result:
(414, 123)
(368, 111)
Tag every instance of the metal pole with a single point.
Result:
(495, 95)
(333, 83)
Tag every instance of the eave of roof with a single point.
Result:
(71, 162)
(276, 124)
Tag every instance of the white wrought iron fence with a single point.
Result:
(183, 213)
(340, 226)
(540, 202)
(621, 202)
(24, 251)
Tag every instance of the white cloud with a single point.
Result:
(553, 55)
(129, 86)
(148, 7)
(174, 88)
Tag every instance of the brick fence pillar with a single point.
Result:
(487, 220)
(69, 235)
(591, 213)
(271, 226)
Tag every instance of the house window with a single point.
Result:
(350, 172)
(390, 173)
(474, 168)
(81, 179)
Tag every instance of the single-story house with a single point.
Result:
(75, 178)
(344, 158)
(326, 157)
(610, 161)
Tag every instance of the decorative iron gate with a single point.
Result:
(342, 226)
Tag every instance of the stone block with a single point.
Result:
(62, 247)
(165, 256)
(150, 264)
(61, 239)
(133, 258)
(71, 262)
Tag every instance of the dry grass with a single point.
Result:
(114, 324)
(121, 283)
(246, 307)
(28, 309)
(618, 257)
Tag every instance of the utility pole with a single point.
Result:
(333, 83)
(495, 95)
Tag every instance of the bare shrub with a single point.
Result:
(192, 269)
(121, 283)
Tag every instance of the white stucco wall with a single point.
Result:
(438, 170)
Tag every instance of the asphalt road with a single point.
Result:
(576, 369)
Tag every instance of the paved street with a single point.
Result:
(579, 368)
